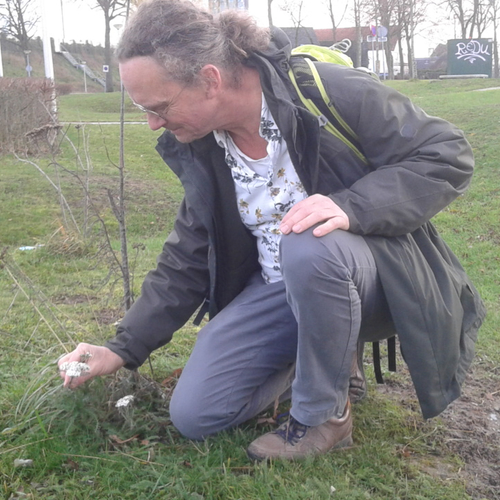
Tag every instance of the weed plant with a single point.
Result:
(83, 446)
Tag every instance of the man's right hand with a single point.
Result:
(100, 360)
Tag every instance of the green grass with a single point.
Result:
(98, 107)
(82, 447)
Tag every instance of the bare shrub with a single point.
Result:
(27, 121)
(64, 88)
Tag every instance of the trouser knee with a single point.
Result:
(305, 258)
(186, 417)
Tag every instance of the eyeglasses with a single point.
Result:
(146, 110)
(167, 105)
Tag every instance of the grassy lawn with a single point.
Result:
(65, 290)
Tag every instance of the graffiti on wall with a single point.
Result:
(470, 56)
(472, 51)
(216, 6)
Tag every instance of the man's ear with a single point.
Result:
(211, 79)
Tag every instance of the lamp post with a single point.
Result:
(118, 28)
(28, 66)
(1, 62)
(82, 65)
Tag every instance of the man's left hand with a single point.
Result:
(316, 209)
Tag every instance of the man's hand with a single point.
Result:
(96, 361)
(311, 211)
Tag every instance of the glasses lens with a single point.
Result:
(145, 110)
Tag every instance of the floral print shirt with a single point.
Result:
(265, 190)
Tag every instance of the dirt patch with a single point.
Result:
(109, 316)
(470, 428)
(473, 431)
(73, 299)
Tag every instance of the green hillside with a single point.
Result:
(65, 74)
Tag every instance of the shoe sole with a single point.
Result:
(347, 442)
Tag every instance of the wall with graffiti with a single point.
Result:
(471, 56)
(216, 6)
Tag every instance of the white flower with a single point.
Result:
(125, 401)
(74, 368)
(21, 462)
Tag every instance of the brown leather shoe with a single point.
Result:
(357, 381)
(293, 440)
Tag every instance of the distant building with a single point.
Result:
(325, 36)
(435, 65)
(301, 36)
(370, 53)
(216, 6)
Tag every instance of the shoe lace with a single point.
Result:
(292, 431)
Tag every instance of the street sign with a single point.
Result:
(105, 69)
(382, 31)
(371, 38)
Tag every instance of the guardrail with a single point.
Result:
(82, 67)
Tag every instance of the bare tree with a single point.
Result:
(408, 15)
(495, 17)
(330, 4)
(462, 11)
(473, 16)
(295, 10)
(112, 9)
(331, 14)
(401, 18)
(269, 12)
(357, 10)
(383, 11)
(481, 18)
(18, 19)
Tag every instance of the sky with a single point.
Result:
(82, 22)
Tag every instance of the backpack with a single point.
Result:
(306, 80)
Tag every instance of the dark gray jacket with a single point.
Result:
(416, 166)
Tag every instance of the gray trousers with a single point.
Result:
(300, 333)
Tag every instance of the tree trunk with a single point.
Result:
(359, 36)
(401, 56)
(127, 288)
(412, 74)
(107, 53)
(496, 73)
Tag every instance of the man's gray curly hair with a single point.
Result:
(183, 38)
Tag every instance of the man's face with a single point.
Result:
(186, 111)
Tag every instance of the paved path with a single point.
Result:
(103, 123)
(489, 88)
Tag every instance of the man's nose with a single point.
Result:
(156, 122)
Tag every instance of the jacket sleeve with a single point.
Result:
(170, 294)
(419, 163)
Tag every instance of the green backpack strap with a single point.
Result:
(305, 77)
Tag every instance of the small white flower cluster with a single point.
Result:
(22, 462)
(125, 401)
(74, 368)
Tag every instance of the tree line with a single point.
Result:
(402, 18)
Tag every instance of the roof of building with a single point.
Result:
(301, 35)
(325, 36)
